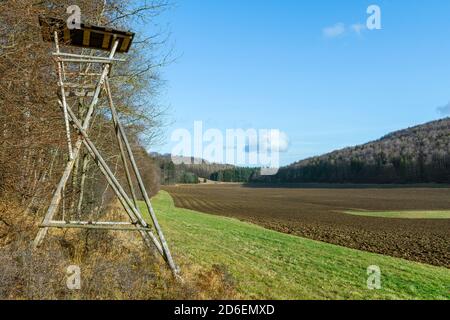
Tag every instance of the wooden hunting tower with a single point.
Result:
(87, 76)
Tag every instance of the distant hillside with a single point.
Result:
(186, 169)
(419, 154)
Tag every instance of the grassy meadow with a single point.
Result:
(265, 264)
(436, 214)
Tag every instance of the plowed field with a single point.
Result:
(319, 214)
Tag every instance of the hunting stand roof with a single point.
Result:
(87, 36)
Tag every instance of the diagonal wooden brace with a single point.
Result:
(114, 183)
(122, 136)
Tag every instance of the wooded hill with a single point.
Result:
(186, 170)
(415, 155)
(420, 154)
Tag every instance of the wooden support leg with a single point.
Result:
(121, 194)
(164, 244)
(122, 152)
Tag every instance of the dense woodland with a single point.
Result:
(235, 175)
(193, 171)
(33, 149)
(186, 170)
(416, 155)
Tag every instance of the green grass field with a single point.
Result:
(404, 214)
(271, 265)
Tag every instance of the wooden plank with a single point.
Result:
(75, 60)
(79, 94)
(101, 223)
(125, 44)
(106, 41)
(81, 56)
(61, 70)
(63, 225)
(66, 35)
(79, 86)
(86, 37)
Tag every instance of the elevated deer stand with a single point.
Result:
(113, 41)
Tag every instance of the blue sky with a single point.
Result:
(300, 67)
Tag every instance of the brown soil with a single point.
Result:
(318, 214)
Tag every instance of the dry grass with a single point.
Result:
(113, 265)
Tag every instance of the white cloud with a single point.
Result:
(334, 31)
(358, 28)
(444, 110)
(272, 140)
(280, 142)
(340, 29)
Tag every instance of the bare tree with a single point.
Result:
(32, 146)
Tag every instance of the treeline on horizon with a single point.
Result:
(386, 171)
(171, 173)
(415, 155)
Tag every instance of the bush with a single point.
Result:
(114, 265)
